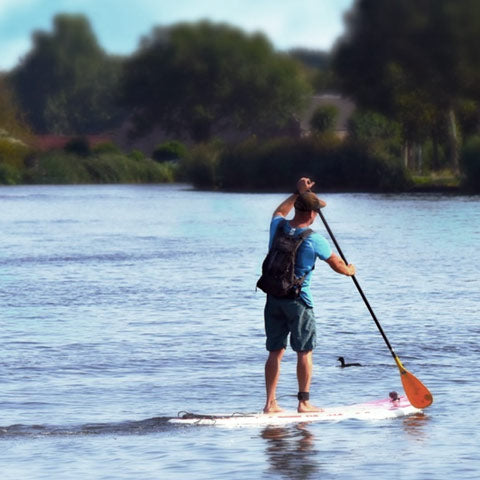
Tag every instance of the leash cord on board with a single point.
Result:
(184, 415)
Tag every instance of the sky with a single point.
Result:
(119, 24)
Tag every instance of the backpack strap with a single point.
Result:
(303, 236)
(306, 233)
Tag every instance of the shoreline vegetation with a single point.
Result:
(77, 163)
(249, 166)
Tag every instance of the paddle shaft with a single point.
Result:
(359, 288)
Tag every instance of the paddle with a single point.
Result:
(417, 393)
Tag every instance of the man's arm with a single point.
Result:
(303, 185)
(337, 264)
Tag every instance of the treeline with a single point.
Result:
(417, 63)
(412, 69)
(255, 165)
(192, 80)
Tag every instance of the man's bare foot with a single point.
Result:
(273, 408)
(307, 407)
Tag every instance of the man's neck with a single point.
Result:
(296, 222)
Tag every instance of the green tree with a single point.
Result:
(14, 136)
(205, 77)
(318, 69)
(11, 118)
(413, 59)
(67, 83)
(375, 132)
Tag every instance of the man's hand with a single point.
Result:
(304, 184)
(338, 265)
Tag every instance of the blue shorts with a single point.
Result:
(287, 316)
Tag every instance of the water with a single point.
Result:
(122, 305)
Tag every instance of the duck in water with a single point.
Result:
(343, 364)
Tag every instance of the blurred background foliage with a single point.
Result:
(226, 110)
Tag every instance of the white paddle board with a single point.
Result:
(373, 410)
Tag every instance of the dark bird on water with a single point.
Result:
(343, 364)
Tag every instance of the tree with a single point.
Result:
(416, 60)
(205, 77)
(318, 68)
(67, 83)
(14, 136)
(11, 121)
(375, 132)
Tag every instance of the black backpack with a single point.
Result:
(278, 269)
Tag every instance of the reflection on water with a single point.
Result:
(291, 451)
(415, 426)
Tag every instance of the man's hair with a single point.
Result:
(308, 202)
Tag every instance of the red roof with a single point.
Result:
(57, 142)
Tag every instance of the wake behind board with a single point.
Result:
(374, 410)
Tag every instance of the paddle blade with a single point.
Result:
(417, 393)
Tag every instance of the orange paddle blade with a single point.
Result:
(417, 393)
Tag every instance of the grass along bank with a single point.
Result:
(77, 163)
(70, 168)
(441, 181)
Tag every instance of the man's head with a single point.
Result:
(308, 202)
(307, 205)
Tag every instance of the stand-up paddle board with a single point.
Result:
(374, 410)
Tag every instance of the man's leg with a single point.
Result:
(272, 374)
(304, 376)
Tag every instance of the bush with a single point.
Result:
(200, 166)
(170, 150)
(106, 147)
(57, 167)
(124, 169)
(13, 152)
(9, 174)
(69, 168)
(470, 162)
(360, 169)
(255, 165)
(344, 166)
(137, 155)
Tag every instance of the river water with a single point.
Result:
(123, 305)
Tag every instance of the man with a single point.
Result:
(284, 316)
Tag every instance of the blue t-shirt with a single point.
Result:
(312, 247)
